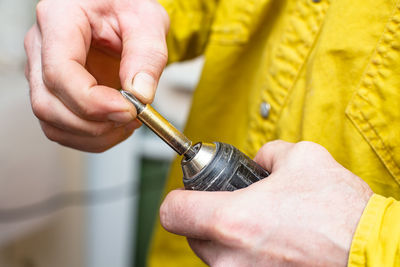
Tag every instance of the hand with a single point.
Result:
(78, 52)
(304, 214)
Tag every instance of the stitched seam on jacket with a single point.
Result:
(360, 97)
(387, 157)
(317, 32)
(288, 69)
(376, 142)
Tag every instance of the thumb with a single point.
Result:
(144, 52)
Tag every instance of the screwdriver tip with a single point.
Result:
(131, 98)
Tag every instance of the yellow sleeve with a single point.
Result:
(190, 27)
(376, 241)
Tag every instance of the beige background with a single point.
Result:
(32, 168)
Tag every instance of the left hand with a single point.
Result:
(79, 52)
(305, 213)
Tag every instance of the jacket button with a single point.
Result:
(265, 108)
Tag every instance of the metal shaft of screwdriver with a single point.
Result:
(161, 127)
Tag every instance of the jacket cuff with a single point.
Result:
(376, 241)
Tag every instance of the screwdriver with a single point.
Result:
(206, 166)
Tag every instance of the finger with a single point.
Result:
(89, 144)
(66, 36)
(206, 250)
(29, 44)
(144, 52)
(193, 213)
(268, 156)
(45, 105)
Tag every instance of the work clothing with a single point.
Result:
(326, 71)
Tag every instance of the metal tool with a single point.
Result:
(206, 166)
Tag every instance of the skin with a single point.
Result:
(80, 51)
(304, 214)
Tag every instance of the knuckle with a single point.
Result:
(232, 228)
(49, 75)
(265, 147)
(312, 153)
(271, 144)
(41, 9)
(105, 142)
(87, 107)
(88, 111)
(151, 7)
(275, 142)
(92, 146)
(222, 226)
(40, 108)
(99, 149)
(102, 146)
(310, 147)
(155, 59)
(28, 39)
(27, 71)
(305, 144)
(162, 14)
(161, 54)
(99, 131)
(50, 132)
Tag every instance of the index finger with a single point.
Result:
(192, 213)
(268, 156)
(66, 36)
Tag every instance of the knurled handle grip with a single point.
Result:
(229, 170)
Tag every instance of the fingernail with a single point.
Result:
(120, 117)
(144, 85)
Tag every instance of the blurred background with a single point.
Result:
(64, 208)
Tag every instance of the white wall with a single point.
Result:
(32, 168)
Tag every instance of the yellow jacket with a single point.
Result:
(326, 71)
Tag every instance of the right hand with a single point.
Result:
(304, 214)
(79, 52)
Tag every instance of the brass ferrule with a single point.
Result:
(165, 130)
(159, 125)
